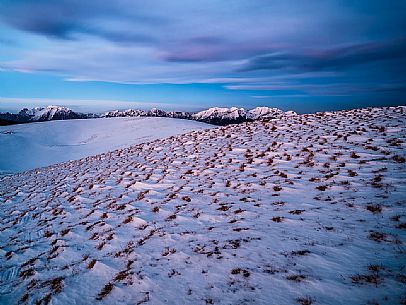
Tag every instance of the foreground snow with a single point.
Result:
(28, 146)
(305, 209)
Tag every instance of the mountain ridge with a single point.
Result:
(215, 115)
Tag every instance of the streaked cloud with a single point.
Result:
(294, 48)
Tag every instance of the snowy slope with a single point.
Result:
(28, 146)
(302, 210)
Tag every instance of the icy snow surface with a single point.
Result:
(301, 210)
(28, 146)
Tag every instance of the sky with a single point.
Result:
(189, 55)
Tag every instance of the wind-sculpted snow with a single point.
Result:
(303, 209)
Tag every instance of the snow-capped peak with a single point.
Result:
(42, 112)
(232, 113)
(125, 113)
(49, 113)
(264, 113)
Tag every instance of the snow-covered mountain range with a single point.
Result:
(154, 112)
(40, 114)
(216, 116)
(224, 116)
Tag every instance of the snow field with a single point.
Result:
(302, 210)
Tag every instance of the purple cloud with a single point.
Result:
(235, 44)
(337, 58)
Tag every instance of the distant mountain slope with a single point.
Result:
(307, 209)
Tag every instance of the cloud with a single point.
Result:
(333, 59)
(312, 47)
(67, 19)
(333, 89)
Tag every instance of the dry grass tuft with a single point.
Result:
(243, 272)
(105, 291)
(296, 277)
(91, 264)
(377, 236)
(374, 208)
(277, 219)
(305, 301)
